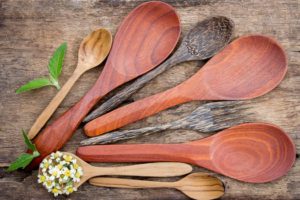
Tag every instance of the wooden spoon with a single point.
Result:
(161, 169)
(196, 186)
(203, 41)
(247, 68)
(206, 118)
(92, 51)
(253, 152)
(144, 39)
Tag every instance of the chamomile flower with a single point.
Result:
(59, 173)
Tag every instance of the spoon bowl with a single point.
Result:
(252, 152)
(247, 68)
(196, 185)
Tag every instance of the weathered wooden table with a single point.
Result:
(31, 30)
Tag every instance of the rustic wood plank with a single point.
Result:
(31, 30)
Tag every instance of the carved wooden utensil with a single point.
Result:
(247, 68)
(162, 169)
(203, 41)
(196, 186)
(92, 51)
(206, 118)
(144, 39)
(253, 152)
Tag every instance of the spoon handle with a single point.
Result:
(135, 111)
(127, 91)
(127, 183)
(53, 105)
(160, 169)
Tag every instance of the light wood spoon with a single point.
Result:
(160, 169)
(248, 67)
(92, 51)
(196, 186)
(144, 39)
(253, 152)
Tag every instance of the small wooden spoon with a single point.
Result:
(203, 41)
(92, 51)
(160, 169)
(144, 39)
(253, 152)
(247, 68)
(196, 186)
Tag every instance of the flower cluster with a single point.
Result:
(59, 173)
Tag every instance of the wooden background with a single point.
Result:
(31, 30)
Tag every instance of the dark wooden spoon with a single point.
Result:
(253, 152)
(203, 41)
(247, 68)
(144, 39)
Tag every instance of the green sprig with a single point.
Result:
(54, 67)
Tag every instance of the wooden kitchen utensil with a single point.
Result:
(253, 152)
(206, 118)
(247, 68)
(196, 186)
(92, 51)
(144, 39)
(160, 169)
(203, 41)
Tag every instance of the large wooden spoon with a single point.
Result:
(144, 39)
(253, 152)
(196, 186)
(247, 68)
(160, 169)
(203, 41)
(92, 51)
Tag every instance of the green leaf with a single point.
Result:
(28, 142)
(56, 61)
(22, 161)
(34, 84)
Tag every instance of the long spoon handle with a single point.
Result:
(135, 111)
(53, 105)
(126, 92)
(128, 183)
(160, 169)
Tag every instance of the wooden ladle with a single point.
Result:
(92, 51)
(247, 68)
(144, 39)
(253, 152)
(196, 186)
(160, 169)
(203, 41)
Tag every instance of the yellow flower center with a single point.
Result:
(77, 175)
(59, 166)
(43, 179)
(55, 190)
(70, 190)
(68, 158)
(68, 173)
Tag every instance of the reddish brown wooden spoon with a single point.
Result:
(253, 152)
(248, 67)
(144, 39)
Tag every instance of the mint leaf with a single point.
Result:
(34, 84)
(25, 158)
(56, 62)
(28, 142)
(22, 161)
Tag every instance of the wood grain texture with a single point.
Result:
(144, 39)
(92, 52)
(250, 152)
(196, 185)
(206, 118)
(203, 41)
(30, 30)
(247, 68)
